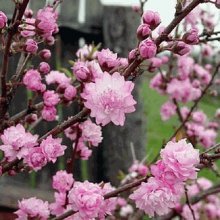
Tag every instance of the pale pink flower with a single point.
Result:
(17, 142)
(185, 66)
(62, 181)
(59, 78)
(32, 80)
(70, 93)
(3, 20)
(86, 198)
(82, 150)
(49, 113)
(199, 117)
(151, 18)
(187, 213)
(181, 158)
(184, 112)
(207, 137)
(154, 198)
(30, 46)
(57, 207)
(32, 208)
(147, 48)
(107, 58)
(35, 159)
(81, 71)
(50, 98)
(44, 68)
(158, 83)
(167, 110)
(202, 74)
(91, 132)
(126, 210)
(95, 69)
(52, 148)
(71, 131)
(86, 51)
(109, 98)
(28, 30)
(155, 63)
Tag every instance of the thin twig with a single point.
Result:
(188, 203)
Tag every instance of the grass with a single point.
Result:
(159, 131)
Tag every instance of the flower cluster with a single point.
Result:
(163, 190)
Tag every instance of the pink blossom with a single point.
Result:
(49, 113)
(46, 22)
(3, 20)
(81, 71)
(181, 48)
(35, 159)
(30, 46)
(207, 137)
(44, 68)
(95, 69)
(202, 74)
(187, 213)
(52, 148)
(28, 30)
(147, 48)
(109, 98)
(191, 37)
(32, 79)
(45, 54)
(86, 51)
(57, 77)
(57, 207)
(107, 58)
(182, 90)
(86, 198)
(143, 31)
(71, 131)
(17, 142)
(151, 18)
(132, 55)
(70, 93)
(50, 98)
(157, 83)
(91, 132)
(82, 150)
(62, 181)
(154, 198)
(32, 208)
(181, 158)
(167, 110)
(199, 117)
(207, 50)
(155, 63)
(184, 112)
(126, 210)
(185, 67)
(140, 168)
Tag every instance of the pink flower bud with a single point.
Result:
(49, 113)
(151, 18)
(143, 31)
(132, 55)
(3, 20)
(50, 40)
(81, 71)
(28, 13)
(30, 46)
(181, 48)
(70, 92)
(45, 54)
(148, 49)
(191, 37)
(44, 68)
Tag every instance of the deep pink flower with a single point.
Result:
(143, 31)
(181, 48)
(91, 132)
(107, 58)
(70, 93)
(44, 68)
(191, 37)
(32, 79)
(28, 30)
(52, 148)
(62, 181)
(181, 158)
(81, 71)
(139, 168)
(50, 98)
(30, 46)
(45, 54)
(109, 98)
(35, 159)
(154, 198)
(167, 110)
(147, 48)
(46, 22)
(49, 113)
(32, 208)
(86, 198)
(3, 20)
(151, 18)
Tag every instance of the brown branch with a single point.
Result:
(188, 203)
